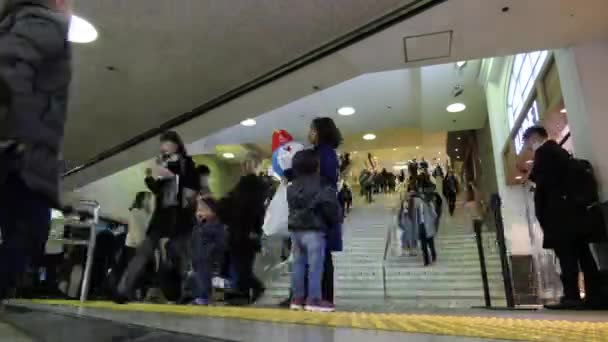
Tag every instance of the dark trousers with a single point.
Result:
(242, 266)
(572, 257)
(451, 197)
(327, 281)
(428, 245)
(369, 194)
(25, 220)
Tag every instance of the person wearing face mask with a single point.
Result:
(35, 74)
(561, 219)
(175, 182)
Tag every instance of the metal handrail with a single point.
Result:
(496, 204)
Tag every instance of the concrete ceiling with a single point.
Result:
(157, 59)
(169, 58)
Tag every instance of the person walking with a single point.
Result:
(564, 222)
(450, 190)
(35, 74)
(175, 183)
(423, 215)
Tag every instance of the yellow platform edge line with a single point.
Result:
(468, 326)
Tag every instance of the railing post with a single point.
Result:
(496, 205)
(477, 224)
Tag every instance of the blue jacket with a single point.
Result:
(330, 175)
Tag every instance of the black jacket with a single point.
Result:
(312, 206)
(557, 216)
(35, 74)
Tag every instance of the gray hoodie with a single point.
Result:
(312, 206)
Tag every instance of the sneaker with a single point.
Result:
(200, 301)
(566, 304)
(320, 306)
(297, 304)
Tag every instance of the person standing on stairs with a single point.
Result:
(423, 215)
(325, 136)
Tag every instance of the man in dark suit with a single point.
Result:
(559, 219)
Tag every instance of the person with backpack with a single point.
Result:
(35, 75)
(564, 194)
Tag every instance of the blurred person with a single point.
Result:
(345, 197)
(424, 217)
(313, 213)
(450, 190)
(564, 221)
(242, 211)
(208, 245)
(35, 74)
(366, 181)
(175, 183)
(409, 231)
(325, 136)
(204, 173)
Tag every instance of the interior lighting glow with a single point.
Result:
(228, 155)
(346, 111)
(456, 107)
(81, 31)
(248, 122)
(369, 136)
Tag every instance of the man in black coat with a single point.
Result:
(559, 219)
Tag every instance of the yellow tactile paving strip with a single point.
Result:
(480, 327)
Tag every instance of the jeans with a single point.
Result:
(208, 251)
(25, 221)
(309, 250)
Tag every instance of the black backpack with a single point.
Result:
(581, 185)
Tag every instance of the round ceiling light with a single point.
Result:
(346, 111)
(456, 107)
(369, 136)
(248, 122)
(564, 111)
(228, 155)
(461, 64)
(81, 31)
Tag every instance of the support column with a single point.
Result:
(583, 71)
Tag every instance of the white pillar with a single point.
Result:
(583, 71)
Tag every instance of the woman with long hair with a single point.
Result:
(175, 182)
(325, 136)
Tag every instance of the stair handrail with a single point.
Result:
(496, 205)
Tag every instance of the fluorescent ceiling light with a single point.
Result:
(228, 155)
(461, 64)
(369, 136)
(456, 107)
(346, 111)
(81, 31)
(248, 122)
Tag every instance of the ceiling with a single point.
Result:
(157, 59)
(172, 57)
(401, 107)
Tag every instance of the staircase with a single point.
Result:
(364, 278)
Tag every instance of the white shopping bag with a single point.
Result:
(277, 213)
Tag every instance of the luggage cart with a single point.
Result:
(88, 227)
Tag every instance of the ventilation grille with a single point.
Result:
(428, 46)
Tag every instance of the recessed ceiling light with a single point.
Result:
(438, 152)
(461, 64)
(529, 161)
(394, 149)
(455, 150)
(417, 147)
(346, 111)
(369, 136)
(458, 138)
(457, 157)
(456, 107)
(228, 155)
(519, 177)
(248, 122)
(355, 152)
(564, 111)
(81, 31)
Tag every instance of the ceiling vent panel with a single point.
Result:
(428, 46)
